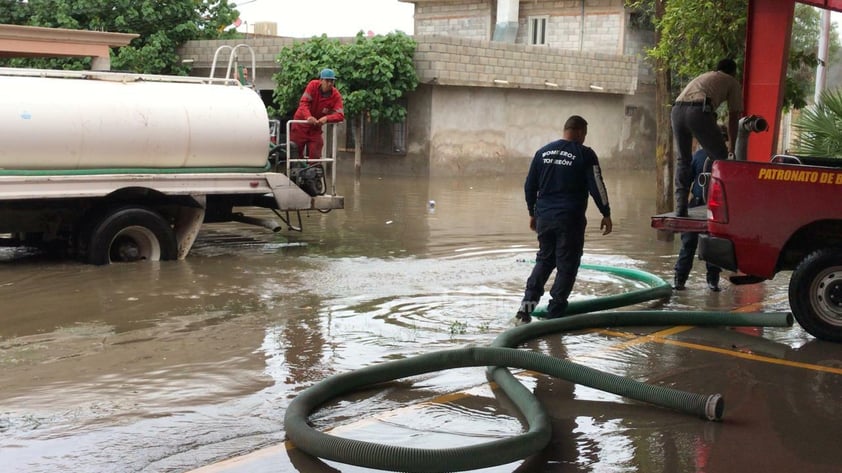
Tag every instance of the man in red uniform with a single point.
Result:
(321, 103)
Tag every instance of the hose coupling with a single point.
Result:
(714, 407)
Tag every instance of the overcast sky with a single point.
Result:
(306, 18)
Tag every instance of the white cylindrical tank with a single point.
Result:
(84, 123)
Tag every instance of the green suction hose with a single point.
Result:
(500, 355)
(657, 289)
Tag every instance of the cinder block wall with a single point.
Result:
(448, 60)
(472, 19)
(601, 29)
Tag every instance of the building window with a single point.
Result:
(538, 29)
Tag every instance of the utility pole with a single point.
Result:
(821, 71)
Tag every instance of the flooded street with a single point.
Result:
(168, 367)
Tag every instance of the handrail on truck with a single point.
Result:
(330, 160)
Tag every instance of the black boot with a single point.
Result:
(678, 282)
(522, 317)
(713, 282)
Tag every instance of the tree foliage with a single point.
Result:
(163, 26)
(820, 127)
(696, 34)
(373, 73)
(301, 63)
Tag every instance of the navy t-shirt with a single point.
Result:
(560, 177)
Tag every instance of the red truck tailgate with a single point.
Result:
(694, 222)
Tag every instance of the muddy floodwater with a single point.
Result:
(173, 366)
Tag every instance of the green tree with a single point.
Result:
(820, 127)
(13, 12)
(689, 46)
(301, 63)
(374, 74)
(692, 36)
(379, 72)
(162, 26)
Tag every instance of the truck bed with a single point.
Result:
(695, 221)
(281, 193)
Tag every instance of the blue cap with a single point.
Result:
(327, 74)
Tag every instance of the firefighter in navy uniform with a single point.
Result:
(560, 177)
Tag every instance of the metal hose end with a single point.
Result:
(714, 407)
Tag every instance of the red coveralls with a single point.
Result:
(314, 103)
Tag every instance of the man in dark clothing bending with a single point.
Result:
(694, 116)
(560, 177)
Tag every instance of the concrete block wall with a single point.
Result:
(603, 33)
(266, 49)
(637, 42)
(464, 18)
(602, 29)
(447, 60)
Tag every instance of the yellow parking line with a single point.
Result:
(641, 339)
(753, 357)
(660, 337)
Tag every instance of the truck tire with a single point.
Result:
(129, 234)
(815, 294)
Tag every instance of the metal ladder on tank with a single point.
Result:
(233, 62)
(331, 130)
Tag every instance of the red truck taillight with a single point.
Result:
(717, 204)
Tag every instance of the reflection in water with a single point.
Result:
(165, 367)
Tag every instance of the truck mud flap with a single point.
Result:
(742, 279)
(717, 251)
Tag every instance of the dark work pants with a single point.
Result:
(560, 247)
(689, 242)
(689, 121)
(684, 263)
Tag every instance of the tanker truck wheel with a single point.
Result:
(129, 234)
(815, 294)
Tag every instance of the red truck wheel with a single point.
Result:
(815, 294)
